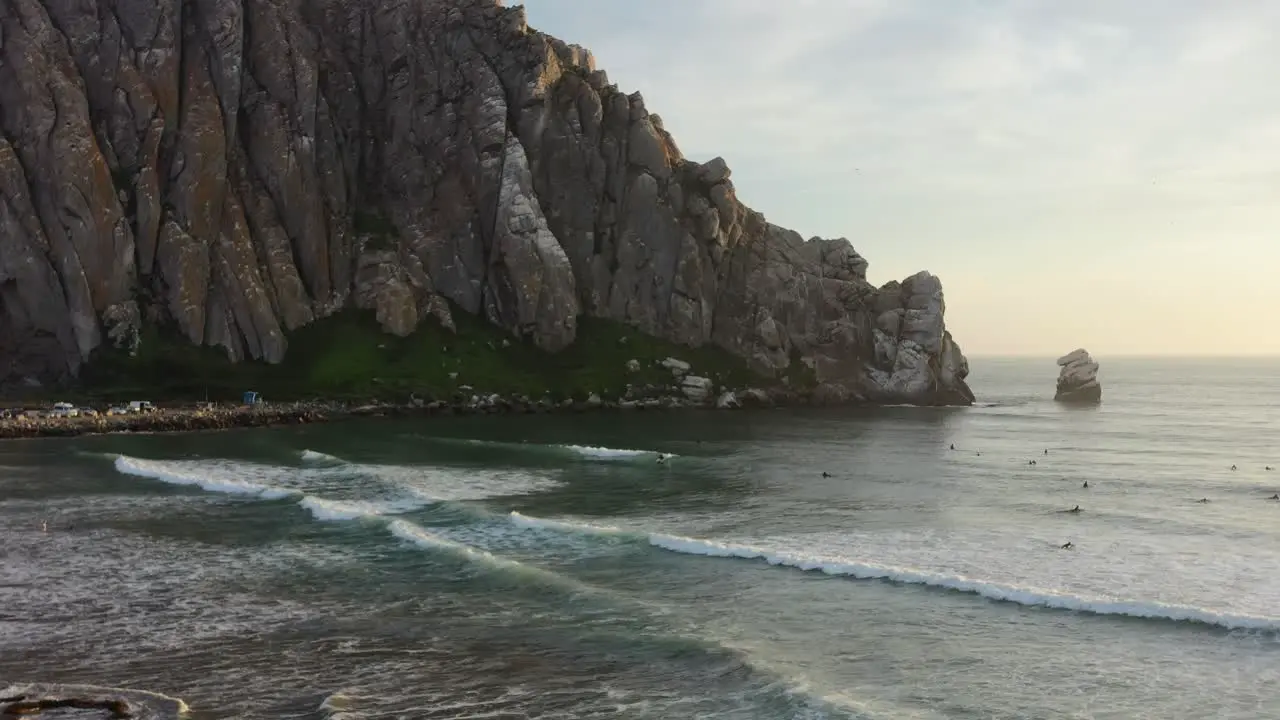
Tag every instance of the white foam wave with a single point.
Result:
(313, 456)
(1028, 596)
(1031, 597)
(442, 484)
(175, 475)
(336, 510)
(527, 521)
(605, 453)
(327, 510)
(423, 538)
(338, 706)
(419, 536)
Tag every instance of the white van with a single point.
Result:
(63, 409)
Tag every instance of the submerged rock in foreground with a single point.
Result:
(53, 700)
(237, 169)
(1078, 379)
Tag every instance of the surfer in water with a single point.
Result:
(953, 447)
(1032, 462)
(1233, 467)
(826, 474)
(1085, 485)
(1046, 451)
(1067, 545)
(662, 458)
(1274, 497)
(1075, 509)
(1203, 501)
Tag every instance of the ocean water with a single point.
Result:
(532, 567)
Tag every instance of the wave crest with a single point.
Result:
(594, 452)
(318, 458)
(1026, 596)
(175, 475)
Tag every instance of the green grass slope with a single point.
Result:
(348, 357)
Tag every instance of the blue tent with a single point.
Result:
(251, 398)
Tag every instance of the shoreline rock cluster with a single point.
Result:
(1078, 379)
(686, 391)
(174, 419)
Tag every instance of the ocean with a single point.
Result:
(798, 563)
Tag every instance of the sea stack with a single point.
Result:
(1078, 380)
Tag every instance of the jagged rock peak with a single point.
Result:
(1078, 379)
(237, 169)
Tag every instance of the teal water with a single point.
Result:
(551, 567)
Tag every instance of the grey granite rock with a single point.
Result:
(1078, 379)
(219, 162)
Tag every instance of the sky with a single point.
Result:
(1092, 173)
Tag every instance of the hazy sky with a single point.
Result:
(1089, 173)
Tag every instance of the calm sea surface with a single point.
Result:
(551, 567)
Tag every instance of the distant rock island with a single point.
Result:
(1078, 379)
(235, 172)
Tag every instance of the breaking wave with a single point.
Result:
(174, 474)
(1027, 596)
(326, 510)
(330, 510)
(318, 458)
(604, 453)
(588, 452)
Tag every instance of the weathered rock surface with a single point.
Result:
(239, 168)
(697, 389)
(1078, 379)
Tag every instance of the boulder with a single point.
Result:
(830, 394)
(677, 367)
(633, 366)
(728, 400)
(1078, 379)
(697, 389)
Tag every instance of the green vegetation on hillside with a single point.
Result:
(347, 356)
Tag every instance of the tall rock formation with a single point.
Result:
(1078, 379)
(240, 168)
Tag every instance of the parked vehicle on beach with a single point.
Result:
(118, 410)
(64, 410)
(141, 406)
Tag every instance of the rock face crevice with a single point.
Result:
(241, 168)
(1078, 379)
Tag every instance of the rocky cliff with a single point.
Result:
(236, 169)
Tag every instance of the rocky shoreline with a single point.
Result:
(204, 417)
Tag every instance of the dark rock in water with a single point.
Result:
(237, 169)
(1078, 380)
(35, 699)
